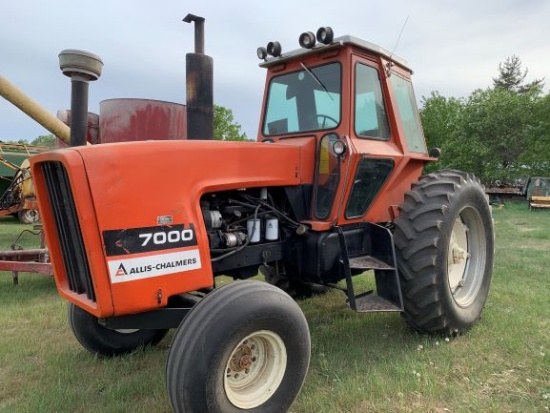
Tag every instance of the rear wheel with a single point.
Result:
(244, 348)
(106, 342)
(28, 216)
(445, 244)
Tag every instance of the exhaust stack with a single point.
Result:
(199, 84)
(82, 67)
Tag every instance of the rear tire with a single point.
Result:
(445, 244)
(28, 216)
(244, 348)
(106, 342)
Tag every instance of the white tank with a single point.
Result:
(253, 225)
(271, 229)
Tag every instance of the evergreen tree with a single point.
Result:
(511, 76)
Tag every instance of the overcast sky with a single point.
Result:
(454, 47)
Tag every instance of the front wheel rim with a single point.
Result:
(466, 256)
(255, 369)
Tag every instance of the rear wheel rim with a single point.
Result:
(466, 256)
(30, 215)
(255, 369)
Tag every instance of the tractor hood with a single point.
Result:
(127, 179)
(139, 188)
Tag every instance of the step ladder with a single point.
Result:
(379, 258)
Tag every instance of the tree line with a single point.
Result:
(502, 134)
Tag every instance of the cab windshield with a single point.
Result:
(305, 100)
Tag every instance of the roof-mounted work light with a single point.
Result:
(325, 35)
(261, 52)
(274, 49)
(307, 40)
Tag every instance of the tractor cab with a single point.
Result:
(342, 93)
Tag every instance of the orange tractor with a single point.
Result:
(332, 189)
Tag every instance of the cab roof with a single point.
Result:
(336, 43)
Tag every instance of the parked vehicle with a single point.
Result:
(332, 189)
(538, 192)
(16, 188)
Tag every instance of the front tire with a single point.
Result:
(244, 348)
(106, 342)
(445, 244)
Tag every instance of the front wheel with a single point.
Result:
(244, 348)
(445, 245)
(106, 342)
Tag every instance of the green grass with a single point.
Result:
(360, 363)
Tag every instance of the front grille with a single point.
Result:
(68, 229)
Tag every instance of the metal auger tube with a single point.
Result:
(19, 99)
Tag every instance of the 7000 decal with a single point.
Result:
(170, 237)
(145, 239)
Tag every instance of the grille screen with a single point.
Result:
(68, 229)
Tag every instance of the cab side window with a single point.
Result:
(408, 114)
(371, 121)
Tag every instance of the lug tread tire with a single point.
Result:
(206, 337)
(105, 342)
(422, 232)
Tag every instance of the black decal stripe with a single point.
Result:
(128, 241)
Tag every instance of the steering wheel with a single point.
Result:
(324, 118)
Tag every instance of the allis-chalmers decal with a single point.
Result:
(131, 241)
(131, 269)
